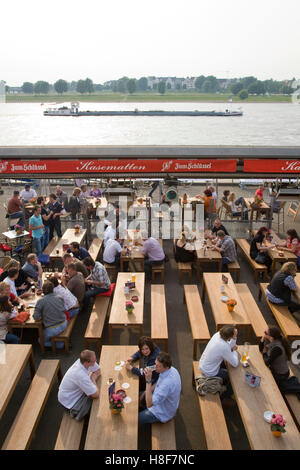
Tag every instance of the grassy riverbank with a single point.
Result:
(106, 97)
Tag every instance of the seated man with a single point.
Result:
(109, 232)
(162, 398)
(71, 302)
(225, 245)
(221, 347)
(15, 208)
(217, 226)
(51, 310)
(80, 267)
(28, 193)
(33, 268)
(152, 250)
(78, 251)
(112, 252)
(78, 388)
(74, 281)
(97, 282)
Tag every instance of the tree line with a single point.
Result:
(203, 84)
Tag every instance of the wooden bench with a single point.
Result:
(95, 248)
(26, 421)
(159, 269)
(184, 268)
(293, 404)
(213, 420)
(94, 329)
(111, 271)
(234, 268)
(69, 434)
(258, 322)
(163, 436)
(159, 323)
(51, 246)
(64, 336)
(257, 268)
(284, 318)
(200, 331)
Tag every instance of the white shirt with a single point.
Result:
(109, 232)
(76, 383)
(217, 351)
(12, 286)
(69, 299)
(112, 248)
(27, 195)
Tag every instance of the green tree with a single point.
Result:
(257, 88)
(122, 84)
(41, 87)
(178, 86)
(131, 85)
(61, 86)
(286, 90)
(161, 87)
(243, 94)
(237, 87)
(27, 87)
(169, 86)
(199, 82)
(89, 86)
(81, 86)
(142, 84)
(246, 81)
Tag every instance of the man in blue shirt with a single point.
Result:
(37, 227)
(162, 398)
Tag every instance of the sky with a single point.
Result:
(106, 40)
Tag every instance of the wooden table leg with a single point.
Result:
(198, 270)
(31, 365)
(110, 334)
(41, 336)
(203, 292)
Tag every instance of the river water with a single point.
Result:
(262, 124)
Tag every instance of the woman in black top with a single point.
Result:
(22, 283)
(181, 253)
(258, 248)
(276, 353)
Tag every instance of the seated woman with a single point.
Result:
(183, 251)
(5, 290)
(7, 310)
(280, 289)
(276, 352)
(147, 353)
(292, 244)
(237, 211)
(22, 282)
(225, 195)
(258, 248)
(207, 204)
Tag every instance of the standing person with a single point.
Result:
(56, 208)
(78, 388)
(7, 311)
(153, 252)
(62, 197)
(15, 208)
(70, 301)
(83, 198)
(221, 347)
(51, 310)
(292, 244)
(28, 193)
(98, 281)
(281, 287)
(213, 192)
(259, 249)
(95, 191)
(259, 193)
(74, 203)
(162, 398)
(37, 227)
(226, 247)
(78, 251)
(46, 214)
(74, 281)
(207, 197)
(146, 354)
(225, 195)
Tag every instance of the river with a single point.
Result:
(261, 124)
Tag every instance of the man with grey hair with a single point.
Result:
(78, 388)
(62, 197)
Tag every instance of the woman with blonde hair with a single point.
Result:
(7, 311)
(282, 286)
(236, 211)
(182, 252)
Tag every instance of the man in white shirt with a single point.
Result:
(112, 252)
(78, 388)
(28, 193)
(221, 347)
(109, 232)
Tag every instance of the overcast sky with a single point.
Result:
(73, 39)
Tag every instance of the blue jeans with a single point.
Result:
(73, 312)
(225, 261)
(11, 339)
(46, 237)
(223, 373)
(146, 417)
(54, 331)
(38, 244)
(90, 294)
(18, 215)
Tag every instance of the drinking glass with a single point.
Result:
(245, 354)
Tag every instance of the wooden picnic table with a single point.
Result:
(253, 402)
(212, 283)
(68, 237)
(136, 255)
(119, 317)
(263, 206)
(107, 431)
(15, 358)
(207, 256)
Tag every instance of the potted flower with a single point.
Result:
(116, 403)
(18, 229)
(231, 304)
(32, 200)
(77, 228)
(277, 425)
(129, 306)
(258, 201)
